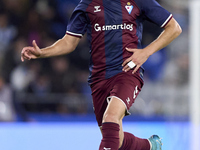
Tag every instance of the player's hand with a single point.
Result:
(138, 58)
(31, 52)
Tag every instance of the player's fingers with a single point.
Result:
(35, 44)
(23, 54)
(22, 59)
(26, 49)
(126, 68)
(26, 55)
(136, 68)
(126, 61)
(23, 50)
(130, 49)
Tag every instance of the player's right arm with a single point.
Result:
(63, 46)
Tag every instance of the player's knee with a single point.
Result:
(111, 117)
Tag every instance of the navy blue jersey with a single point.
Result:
(111, 26)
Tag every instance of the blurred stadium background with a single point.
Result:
(46, 104)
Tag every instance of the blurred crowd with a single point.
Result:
(59, 84)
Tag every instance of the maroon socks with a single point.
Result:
(134, 143)
(110, 139)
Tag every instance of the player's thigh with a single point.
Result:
(115, 110)
(100, 92)
(126, 88)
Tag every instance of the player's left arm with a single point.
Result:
(171, 31)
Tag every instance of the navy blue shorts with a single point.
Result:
(125, 86)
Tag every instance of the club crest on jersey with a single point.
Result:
(129, 7)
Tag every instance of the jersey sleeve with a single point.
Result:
(77, 25)
(155, 12)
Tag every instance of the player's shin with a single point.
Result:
(110, 140)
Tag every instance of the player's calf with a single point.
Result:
(110, 140)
